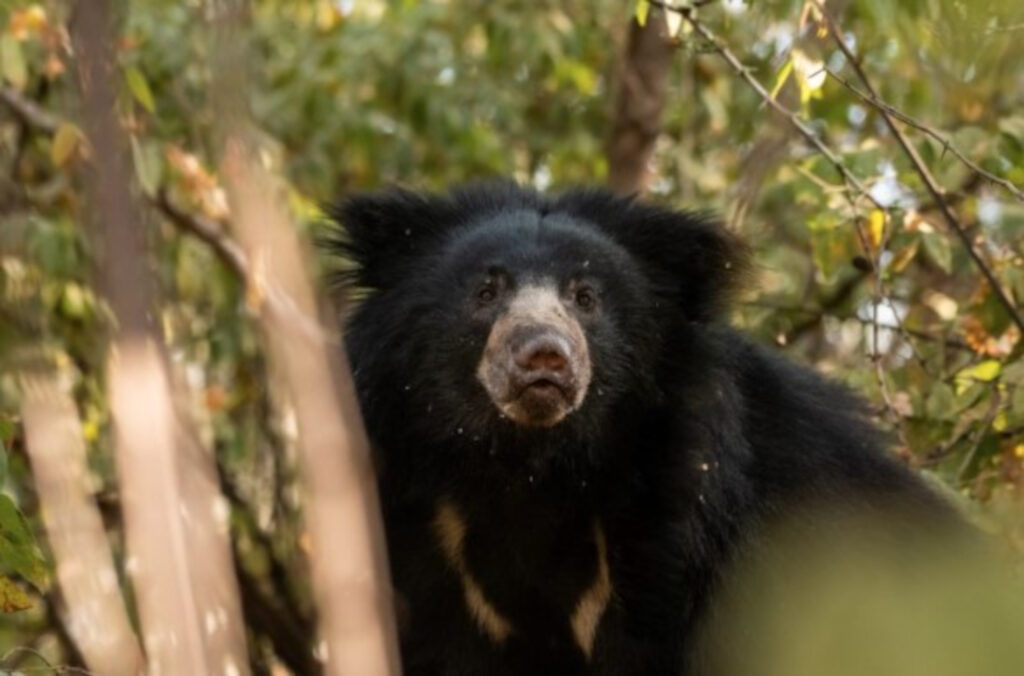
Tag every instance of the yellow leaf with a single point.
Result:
(781, 77)
(876, 227)
(327, 15)
(90, 430)
(1018, 450)
(65, 141)
(985, 372)
(12, 597)
(810, 75)
(903, 257)
(148, 167)
(643, 8)
(25, 22)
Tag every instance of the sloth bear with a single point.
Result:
(572, 447)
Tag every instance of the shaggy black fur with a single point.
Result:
(689, 439)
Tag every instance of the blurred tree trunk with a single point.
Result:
(643, 79)
(341, 511)
(176, 522)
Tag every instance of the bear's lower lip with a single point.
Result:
(543, 388)
(542, 402)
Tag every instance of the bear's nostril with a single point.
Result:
(545, 360)
(542, 353)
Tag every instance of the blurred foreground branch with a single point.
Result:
(92, 608)
(349, 563)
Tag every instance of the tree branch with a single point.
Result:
(841, 294)
(261, 290)
(794, 119)
(28, 111)
(206, 230)
(937, 191)
(947, 145)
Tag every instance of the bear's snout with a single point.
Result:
(542, 352)
(536, 364)
(540, 373)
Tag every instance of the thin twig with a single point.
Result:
(210, 232)
(936, 190)
(816, 315)
(848, 177)
(28, 111)
(269, 295)
(790, 115)
(947, 144)
(681, 6)
(990, 416)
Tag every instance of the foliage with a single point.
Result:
(354, 94)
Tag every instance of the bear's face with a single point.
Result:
(550, 303)
(503, 317)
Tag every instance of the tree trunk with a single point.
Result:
(643, 78)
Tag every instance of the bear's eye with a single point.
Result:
(487, 293)
(586, 299)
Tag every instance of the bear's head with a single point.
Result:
(495, 309)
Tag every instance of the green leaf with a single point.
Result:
(941, 402)
(12, 61)
(148, 165)
(993, 315)
(65, 141)
(74, 301)
(140, 88)
(936, 245)
(832, 250)
(1012, 126)
(968, 392)
(1017, 404)
(18, 551)
(1014, 373)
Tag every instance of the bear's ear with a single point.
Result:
(383, 231)
(689, 256)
